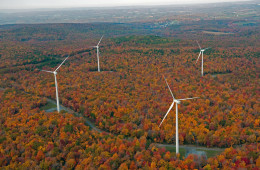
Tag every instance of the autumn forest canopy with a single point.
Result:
(128, 99)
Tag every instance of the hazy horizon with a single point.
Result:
(49, 4)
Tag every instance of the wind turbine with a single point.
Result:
(177, 101)
(201, 53)
(97, 46)
(56, 84)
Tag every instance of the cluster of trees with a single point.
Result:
(32, 138)
(132, 99)
(128, 98)
(246, 157)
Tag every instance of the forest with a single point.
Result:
(128, 99)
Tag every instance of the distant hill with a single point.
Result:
(129, 14)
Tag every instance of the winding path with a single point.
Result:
(87, 121)
(93, 127)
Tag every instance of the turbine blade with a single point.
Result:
(168, 87)
(100, 40)
(198, 57)
(207, 48)
(167, 113)
(47, 71)
(198, 44)
(62, 63)
(189, 98)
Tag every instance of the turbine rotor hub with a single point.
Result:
(177, 101)
(55, 73)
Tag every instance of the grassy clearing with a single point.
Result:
(215, 75)
(211, 153)
(173, 149)
(49, 105)
(217, 33)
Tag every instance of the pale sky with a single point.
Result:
(30, 4)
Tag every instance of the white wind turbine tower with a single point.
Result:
(97, 46)
(201, 53)
(177, 101)
(56, 84)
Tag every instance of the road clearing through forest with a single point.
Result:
(210, 152)
(87, 121)
(170, 147)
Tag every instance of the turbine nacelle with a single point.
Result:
(176, 101)
(55, 73)
(202, 50)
